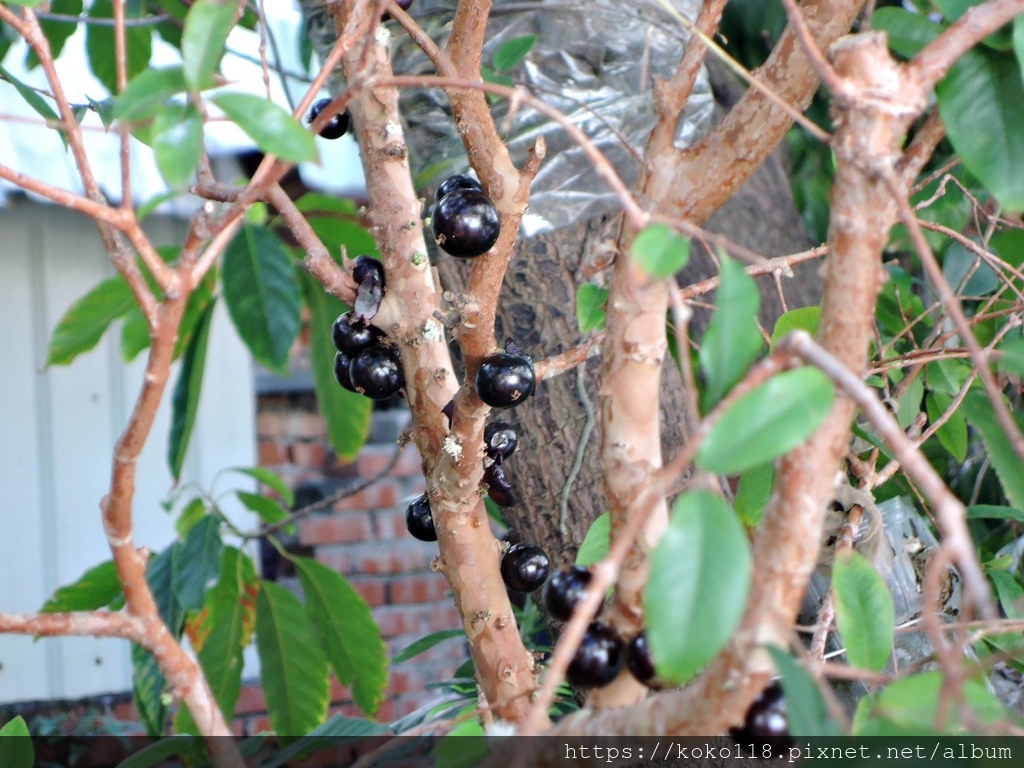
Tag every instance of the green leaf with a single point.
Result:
(293, 668)
(146, 93)
(1010, 594)
(16, 750)
(908, 32)
(1018, 41)
(802, 319)
(193, 512)
(346, 631)
(752, 493)
(268, 510)
(24, 3)
(34, 100)
(980, 413)
(342, 233)
(158, 576)
(84, 323)
(590, 307)
(134, 334)
(864, 611)
(425, 644)
(185, 400)
(991, 512)
(981, 101)
(178, 144)
(346, 413)
(659, 251)
(952, 434)
(597, 542)
(273, 129)
(99, 44)
(148, 684)
(512, 52)
(805, 709)
(1011, 359)
(454, 751)
(196, 565)
(269, 479)
(911, 703)
(697, 590)
(732, 341)
(333, 732)
(97, 588)
(262, 294)
(202, 42)
(767, 422)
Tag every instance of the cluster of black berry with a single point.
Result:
(465, 222)
(601, 652)
(766, 721)
(365, 362)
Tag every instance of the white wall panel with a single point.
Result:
(60, 427)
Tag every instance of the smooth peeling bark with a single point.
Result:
(469, 553)
(877, 106)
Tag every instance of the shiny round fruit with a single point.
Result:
(499, 440)
(524, 567)
(504, 380)
(766, 721)
(458, 181)
(377, 373)
(565, 590)
(598, 660)
(336, 127)
(419, 521)
(364, 266)
(499, 489)
(352, 336)
(638, 659)
(465, 223)
(341, 366)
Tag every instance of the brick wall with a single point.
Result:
(363, 537)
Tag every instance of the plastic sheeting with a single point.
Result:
(595, 61)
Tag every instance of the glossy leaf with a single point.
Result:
(273, 129)
(659, 251)
(158, 576)
(752, 493)
(269, 479)
(293, 668)
(97, 588)
(590, 307)
(333, 732)
(146, 93)
(953, 434)
(34, 100)
(907, 32)
(185, 400)
(268, 510)
(148, 684)
(196, 565)
(347, 414)
(992, 512)
(805, 709)
(424, 644)
(1011, 359)
(177, 142)
(84, 323)
(697, 589)
(864, 611)
(802, 319)
(512, 52)
(262, 294)
(999, 450)
(597, 541)
(732, 340)
(202, 42)
(16, 749)
(99, 44)
(346, 631)
(767, 422)
(1018, 41)
(24, 3)
(981, 101)
(159, 752)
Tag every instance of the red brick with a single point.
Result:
(336, 557)
(401, 620)
(398, 557)
(250, 700)
(384, 493)
(271, 453)
(373, 459)
(335, 529)
(309, 454)
(271, 424)
(405, 681)
(444, 616)
(126, 711)
(390, 524)
(304, 425)
(372, 592)
(426, 588)
(256, 725)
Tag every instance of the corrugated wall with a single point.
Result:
(59, 426)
